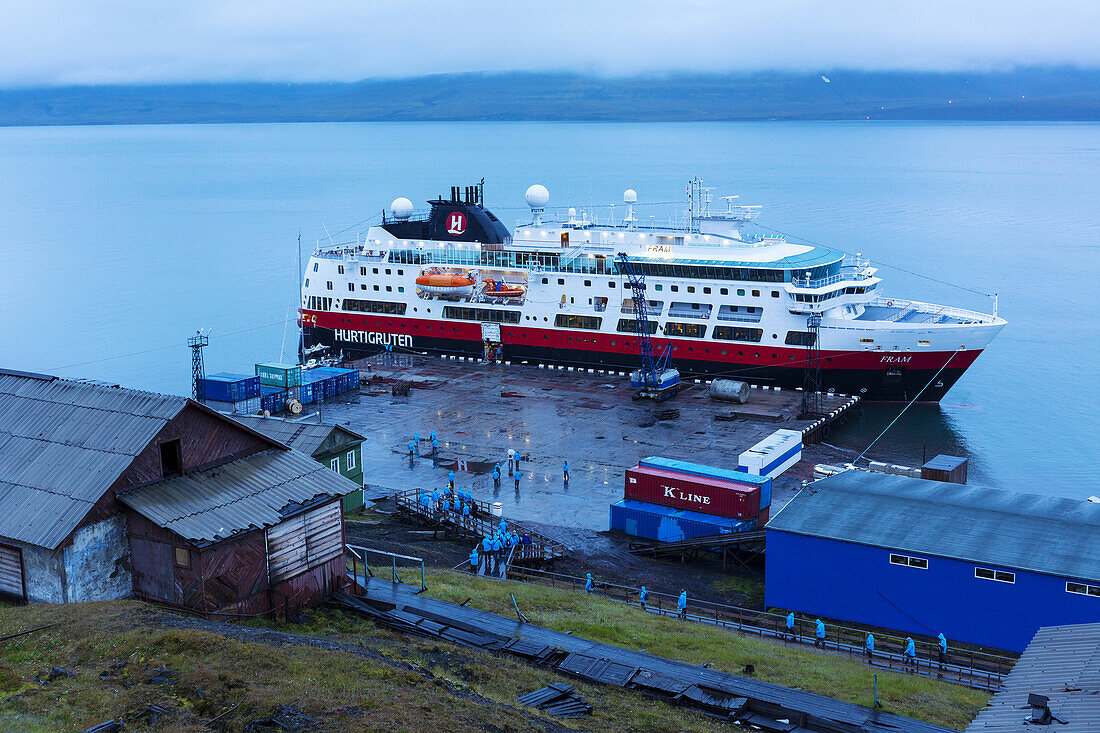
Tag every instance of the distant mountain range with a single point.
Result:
(1021, 94)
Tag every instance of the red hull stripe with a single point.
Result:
(732, 352)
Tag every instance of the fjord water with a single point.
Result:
(119, 242)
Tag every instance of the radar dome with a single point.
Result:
(402, 208)
(630, 196)
(537, 196)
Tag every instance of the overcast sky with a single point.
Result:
(129, 41)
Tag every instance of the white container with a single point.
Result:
(773, 455)
(498, 509)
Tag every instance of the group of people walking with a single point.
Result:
(908, 654)
(414, 445)
(493, 550)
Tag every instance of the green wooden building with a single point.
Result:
(333, 446)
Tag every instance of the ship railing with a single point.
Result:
(739, 319)
(701, 315)
(808, 284)
(905, 307)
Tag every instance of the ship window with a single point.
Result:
(867, 341)
(362, 286)
(913, 562)
(691, 288)
(688, 330)
(400, 272)
(561, 281)
(351, 287)
(480, 314)
(740, 291)
(374, 306)
(706, 291)
(375, 270)
(389, 288)
(362, 271)
(400, 289)
(591, 323)
(307, 282)
(339, 269)
(724, 291)
(756, 293)
(315, 267)
(611, 283)
(328, 285)
(376, 287)
(775, 293)
(675, 288)
(546, 281)
(799, 338)
(629, 325)
(658, 287)
(388, 271)
(733, 333)
(588, 283)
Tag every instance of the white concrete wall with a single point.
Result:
(97, 563)
(44, 575)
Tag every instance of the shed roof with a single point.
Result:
(246, 494)
(62, 444)
(303, 436)
(1043, 534)
(1061, 662)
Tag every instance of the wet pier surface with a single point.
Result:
(479, 411)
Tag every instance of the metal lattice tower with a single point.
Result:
(641, 320)
(811, 381)
(198, 370)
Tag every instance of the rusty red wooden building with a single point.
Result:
(108, 492)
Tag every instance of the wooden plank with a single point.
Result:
(11, 572)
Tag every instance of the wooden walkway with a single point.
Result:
(744, 700)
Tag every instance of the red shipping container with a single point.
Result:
(699, 494)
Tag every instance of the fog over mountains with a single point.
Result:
(1032, 93)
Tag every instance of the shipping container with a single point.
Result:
(307, 392)
(226, 387)
(279, 375)
(695, 493)
(243, 407)
(272, 399)
(773, 455)
(665, 524)
(723, 474)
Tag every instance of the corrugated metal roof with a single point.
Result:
(1043, 534)
(303, 436)
(245, 494)
(1061, 662)
(62, 444)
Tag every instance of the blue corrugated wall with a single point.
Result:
(857, 583)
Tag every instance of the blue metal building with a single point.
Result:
(982, 566)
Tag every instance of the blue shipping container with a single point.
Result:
(272, 399)
(226, 387)
(665, 524)
(307, 393)
(249, 384)
(723, 474)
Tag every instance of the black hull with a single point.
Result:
(881, 385)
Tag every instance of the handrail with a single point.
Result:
(359, 553)
(963, 663)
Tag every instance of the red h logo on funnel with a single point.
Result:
(456, 223)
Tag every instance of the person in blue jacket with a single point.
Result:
(416, 439)
(465, 509)
(435, 498)
(431, 436)
(497, 547)
(496, 476)
(643, 596)
(451, 480)
(565, 470)
(517, 479)
(869, 648)
(435, 446)
(790, 624)
(412, 448)
(588, 583)
(473, 559)
(503, 526)
(910, 653)
(943, 648)
(487, 545)
(819, 639)
(682, 604)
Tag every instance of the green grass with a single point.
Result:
(833, 675)
(403, 685)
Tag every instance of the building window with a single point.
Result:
(334, 464)
(912, 562)
(1082, 589)
(183, 557)
(171, 458)
(350, 459)
(998, 575)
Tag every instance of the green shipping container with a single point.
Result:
(279, 375)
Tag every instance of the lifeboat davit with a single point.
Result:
(443, 284)
(501, 289)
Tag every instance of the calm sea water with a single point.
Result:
(119, 242)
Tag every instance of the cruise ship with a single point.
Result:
(721, 299)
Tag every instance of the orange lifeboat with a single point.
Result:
(501, 289)
(444, 284)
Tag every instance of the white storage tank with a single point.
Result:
(773, 455)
